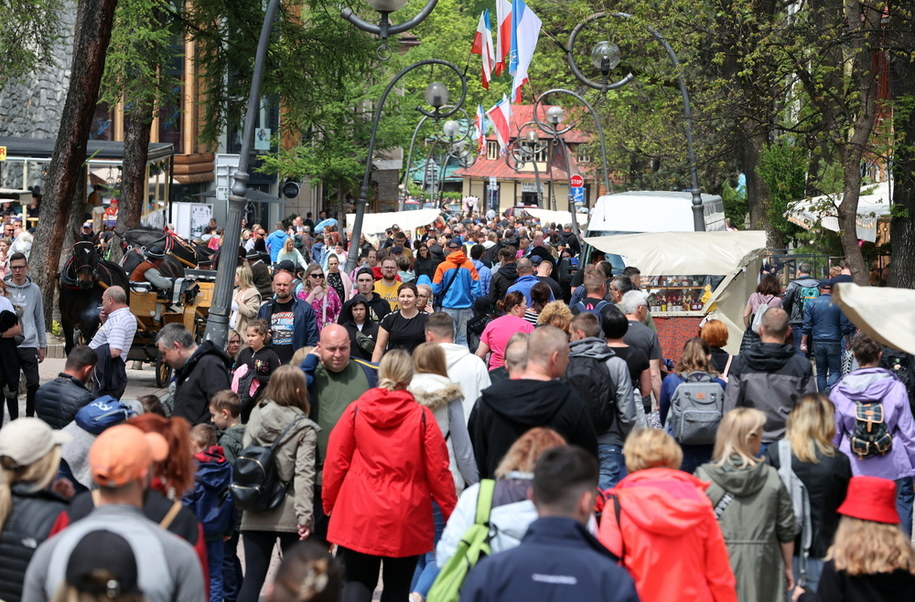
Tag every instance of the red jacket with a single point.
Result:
(386, 462)
(673, 546)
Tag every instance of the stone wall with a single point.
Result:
(32, 106)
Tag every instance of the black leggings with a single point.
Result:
(258, 549)
(362, 576)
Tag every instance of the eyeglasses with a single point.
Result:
(17, 267)
(316, 276)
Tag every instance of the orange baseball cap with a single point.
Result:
(123, 453)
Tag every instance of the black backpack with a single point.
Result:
(590, 378)
(256, 484)
(871, 436)
(902, 365)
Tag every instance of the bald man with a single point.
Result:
(334, 380)
(293, 323)
(510, 408)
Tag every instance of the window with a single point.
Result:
(583, 154)
(492, 150)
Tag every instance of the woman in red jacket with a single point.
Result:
(386, 462)
(665, 531)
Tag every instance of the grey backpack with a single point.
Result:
(800, 502)
(696, 408)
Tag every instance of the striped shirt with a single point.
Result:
(117, 331)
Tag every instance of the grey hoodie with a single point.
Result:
(626, 411)
(26, 298)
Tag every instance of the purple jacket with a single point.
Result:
(876, 384)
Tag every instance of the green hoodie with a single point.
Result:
(231, 441)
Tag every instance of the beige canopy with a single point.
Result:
(886, 314)
(374, 223)
(683, 253)
(547, 216)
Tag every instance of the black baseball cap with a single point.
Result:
(108, 551)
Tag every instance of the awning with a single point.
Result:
(683, 253)
(97, 150)
(252, 194)
(374, 223)
(873, 204)
(547, 216)
(885, 314)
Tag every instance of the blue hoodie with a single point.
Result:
(211, 499)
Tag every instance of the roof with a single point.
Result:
(43, 148)
(522, 114)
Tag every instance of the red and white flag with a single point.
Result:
(525, 32)
(501, 117)
(504, 41)
(482, 45)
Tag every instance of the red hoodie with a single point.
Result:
(673, 546)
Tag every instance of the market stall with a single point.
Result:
(375, 223)
(691, 275)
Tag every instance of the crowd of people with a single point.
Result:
(467, 380)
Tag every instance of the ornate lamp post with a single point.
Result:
(605, 56)
(526, 149)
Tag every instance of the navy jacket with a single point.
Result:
(824, 321)
(557, 561)
(305, 322)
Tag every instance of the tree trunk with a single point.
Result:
(758, 195)
(848, 215)
(902, 226)
(90, 42)
(133, 190)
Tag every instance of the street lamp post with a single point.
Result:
(217, 328)
(526, 149)
(605, 56)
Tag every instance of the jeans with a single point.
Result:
(362, 576)
(28, 362)
(814, 571)
(460, 317)
(828, 357)
(612, 467)
(695, 456)
(904, 498)
(796, 329)
(231, 569)
(215, 551)
(427, 569)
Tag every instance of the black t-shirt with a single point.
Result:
(635, 360)
(282, 326)
(405, 333)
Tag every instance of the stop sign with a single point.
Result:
(576, 181)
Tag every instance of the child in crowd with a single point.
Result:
(225, 410)
(152, 405)
(254, 365)
(211, 501)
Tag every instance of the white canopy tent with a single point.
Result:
(885, 314)
(547, 216)
(873, 204)
(375, 223)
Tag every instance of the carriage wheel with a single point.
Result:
(163, 373)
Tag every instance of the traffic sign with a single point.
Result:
(578, 195)
(2, 153)
(576, 181)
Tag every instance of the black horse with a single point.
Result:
(83, 279)
(179, 254)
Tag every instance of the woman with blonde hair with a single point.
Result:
(386, 462)
(870, 558)
(432, 388)
(29, 461)
(658, 511)
(555, 313)
(512, 510)
(290, 253)
(753, 508)
(282, 412)
(823, 470)
(246, 300)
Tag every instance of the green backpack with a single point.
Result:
(473, 546)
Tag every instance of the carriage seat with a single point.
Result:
(141, 287)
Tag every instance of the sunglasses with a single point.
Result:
(316, 276)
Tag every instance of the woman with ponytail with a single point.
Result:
(386, 462)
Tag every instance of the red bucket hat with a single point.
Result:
(871, 498)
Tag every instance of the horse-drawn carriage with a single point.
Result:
(86, 275)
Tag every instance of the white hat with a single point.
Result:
(27, 440)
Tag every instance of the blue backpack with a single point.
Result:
(102, 413)
(596, 309)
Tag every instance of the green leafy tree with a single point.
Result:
(28, 30)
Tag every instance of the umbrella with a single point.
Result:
(319, 227)
(885, 314)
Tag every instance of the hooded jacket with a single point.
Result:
(295, 464)
(769, 377)
(369, 327)
(456, 282)
(792, 303)
(510, 408)
(305, 321)
(502, 278)
(665, 514)
(58, 401)
(204, 374)
(468, 371)
(524, 284)
(754, 523)
(876, 384)
(27, 297)
(210, 500)
(444, 397)
(386, 462)
(621, 382)
(558, 560)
